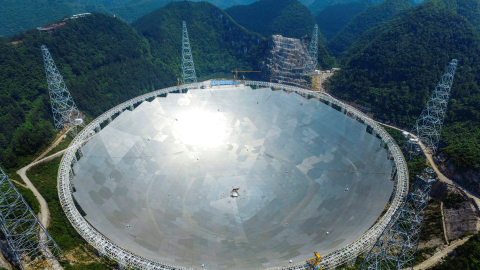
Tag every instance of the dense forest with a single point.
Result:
(289, 18)
(395, 73)
(105, 61)
(334, 18)
(219, 44)
(17, 16)
(467, 9)
(318, 5)
(364, 21)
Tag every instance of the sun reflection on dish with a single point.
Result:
(202, 128)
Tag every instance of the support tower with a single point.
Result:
(65, 112)
(312, 57)
(396, 247)
(188, 68)
(429, 125)
(31, 245)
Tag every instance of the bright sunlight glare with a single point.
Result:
(202, 128)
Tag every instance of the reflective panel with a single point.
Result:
(233, 178)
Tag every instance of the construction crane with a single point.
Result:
(315, 262)
(236, 71)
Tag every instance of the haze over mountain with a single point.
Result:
(318, 5)
(289, 18)
(105, 61)
(218, 43)
(16, 16)
(394, 74)
(333, 19)
(364, 21)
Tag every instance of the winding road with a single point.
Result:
(44, 215)
(440, 175)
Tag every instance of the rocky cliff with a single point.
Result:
(467, 178)
(285, 61)
(459, 210)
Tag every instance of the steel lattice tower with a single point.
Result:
(429, 125)
(312, 58)
(65, 112)
(396, 247)
(31, 245)
(188, 68)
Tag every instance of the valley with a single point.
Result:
(384, 59)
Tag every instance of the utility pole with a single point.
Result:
(65, 112)
(428, 127)
(188, 67)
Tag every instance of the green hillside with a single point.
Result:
(17, 16)
(103, 60)
(218, 43)
(395, 74)
(319, 5)
(465, 8)
(289, 18)
(364, 21)
(334, 18)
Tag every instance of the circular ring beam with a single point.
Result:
(130, 259)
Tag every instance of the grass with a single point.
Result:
(423, 254)
(62, 145)
(44, 178)
(432, 225)
(29, 197)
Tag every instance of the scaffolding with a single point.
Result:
(29, 242)
(65, 112)
(188, 67)
(396, 247)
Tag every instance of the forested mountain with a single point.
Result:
(105, 61)
(470, 9)
(395, 74)
(333, 19)
(318, 5)
(289, 18)
(219, 44)
(364, 21)
(466, 8)
(17, 16)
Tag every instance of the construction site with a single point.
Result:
(240, 174)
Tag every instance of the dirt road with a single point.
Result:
(440, 175)
(50, 148)
(437, 257)
(44, 211)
